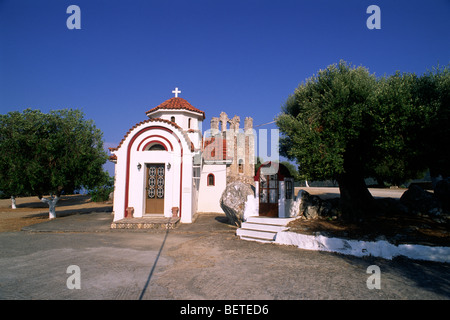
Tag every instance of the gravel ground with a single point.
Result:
(204, 260)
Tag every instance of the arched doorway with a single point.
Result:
(271, 177)
(268, 195)
(155, 181)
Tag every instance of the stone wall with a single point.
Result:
(240, 147)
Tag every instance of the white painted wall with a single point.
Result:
(181, 117)
(136, 194)
(138, 183)
(119, 185)
(209, 196)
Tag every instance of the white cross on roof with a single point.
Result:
(176, 91)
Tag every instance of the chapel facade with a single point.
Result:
(166, 165)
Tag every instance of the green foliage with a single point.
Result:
(49, 153)
(292, 169)
(345, 119)
(434, 94)
(400, 122)
(412, 118)
(101, 192)
(12, 163)
(327, 120)
(344, 124)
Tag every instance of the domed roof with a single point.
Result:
(174, 104)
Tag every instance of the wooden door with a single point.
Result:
(154, 188)
(268, 195)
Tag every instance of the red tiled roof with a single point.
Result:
(174, 104)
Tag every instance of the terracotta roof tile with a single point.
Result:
(174, 104)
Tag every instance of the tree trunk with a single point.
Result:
(356, 201)
(13, 202)
(51, 205)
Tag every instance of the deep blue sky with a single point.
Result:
(243, 57)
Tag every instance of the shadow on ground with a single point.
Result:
(428, 275)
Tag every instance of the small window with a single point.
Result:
(289, 191)
(189, 123)
(172, 119)
(211, 181)
(241, 166)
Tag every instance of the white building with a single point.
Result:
(164, 165)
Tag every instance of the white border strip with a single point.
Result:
(381, 248)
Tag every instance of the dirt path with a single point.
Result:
(30, 210)
(189, 263)
(204, 260)
(327, 193)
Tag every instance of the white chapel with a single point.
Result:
(166, 166)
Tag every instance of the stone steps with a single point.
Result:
(146, 223)
(262, 229)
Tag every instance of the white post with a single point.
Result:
(51, 205)
(282, 200)
(13, 202)
(257, 196)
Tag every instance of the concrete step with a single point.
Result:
(263, 227)
(256, 239)
(268, 220)
(262, 235)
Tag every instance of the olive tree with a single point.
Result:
(49, 154)
(344, 124)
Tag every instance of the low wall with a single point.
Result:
(381, 248)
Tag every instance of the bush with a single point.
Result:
(101, 193)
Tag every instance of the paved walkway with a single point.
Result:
(101, 222)
(86, 222)
(204, 260)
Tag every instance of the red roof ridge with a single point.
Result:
(176, 103)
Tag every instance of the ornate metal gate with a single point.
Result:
(155, 179)
(268, 195)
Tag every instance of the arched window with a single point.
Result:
(210, 181)
(172, 118)
(156, 147)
